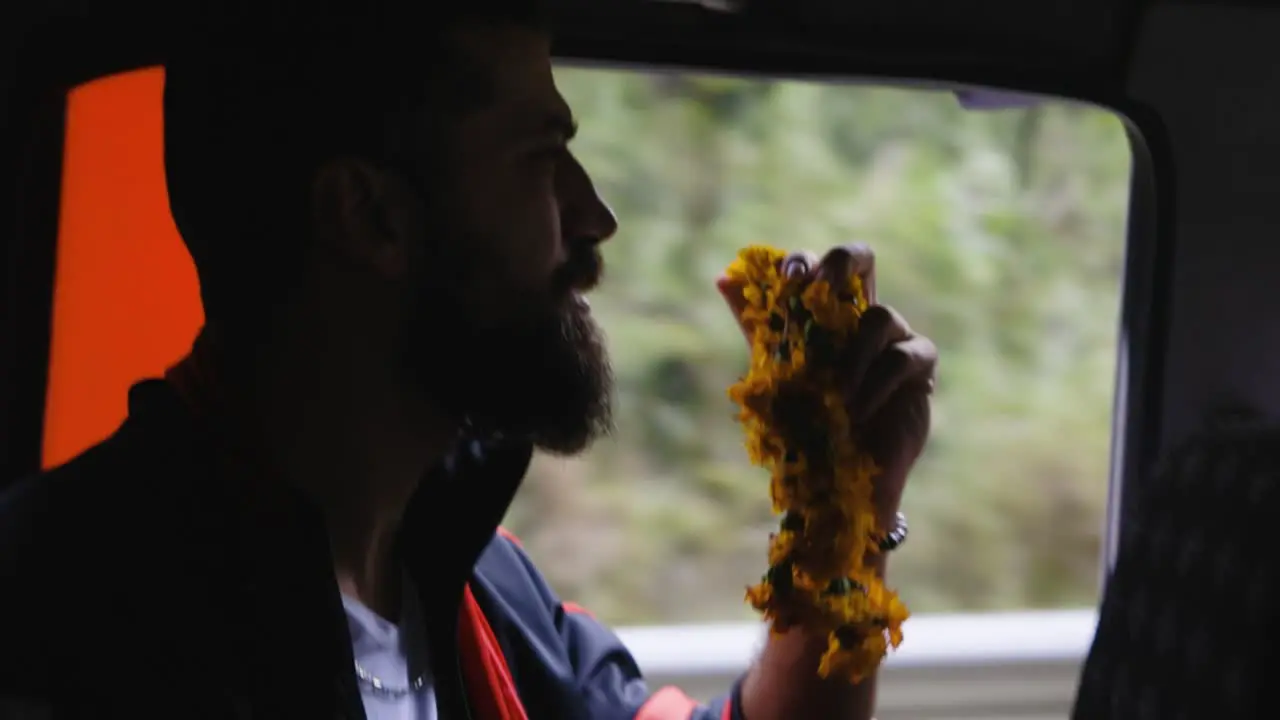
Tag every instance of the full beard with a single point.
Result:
(545, 378)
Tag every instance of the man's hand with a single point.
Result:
(888, 371)
(888, 374)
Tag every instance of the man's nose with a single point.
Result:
(583, 212)
(604, 223)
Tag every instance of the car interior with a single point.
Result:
(95, 292)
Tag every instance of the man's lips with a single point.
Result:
(582, 273)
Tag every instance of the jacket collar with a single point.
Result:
(451, 517)
(280, 571)
(449, 521)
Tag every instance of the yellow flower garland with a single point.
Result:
(797, 427)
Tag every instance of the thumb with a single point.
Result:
(732, 292)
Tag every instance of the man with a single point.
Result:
(394, 241)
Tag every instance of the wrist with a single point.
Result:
(887, 499)
(892, 534)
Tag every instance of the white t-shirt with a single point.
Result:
(394, 655)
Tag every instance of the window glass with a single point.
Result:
(999, 234)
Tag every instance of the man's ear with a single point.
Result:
(365, 213)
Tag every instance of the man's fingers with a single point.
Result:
(836, 267)
(908, 363)
(846, 261)
(731, 291)
(798, 264)
(901, 424)
(879, 328)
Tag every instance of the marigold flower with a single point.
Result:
(797, 426)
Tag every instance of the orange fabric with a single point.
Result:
(126, 301)
(490, 687)
(575, 608)
(669, 703)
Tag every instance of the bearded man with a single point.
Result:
(394, 242)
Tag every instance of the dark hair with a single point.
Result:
(252, 111)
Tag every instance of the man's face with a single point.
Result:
(501, 332)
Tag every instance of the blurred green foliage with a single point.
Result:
(999, 234)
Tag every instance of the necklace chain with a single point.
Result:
(374, 682)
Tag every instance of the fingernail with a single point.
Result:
(795, 268)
